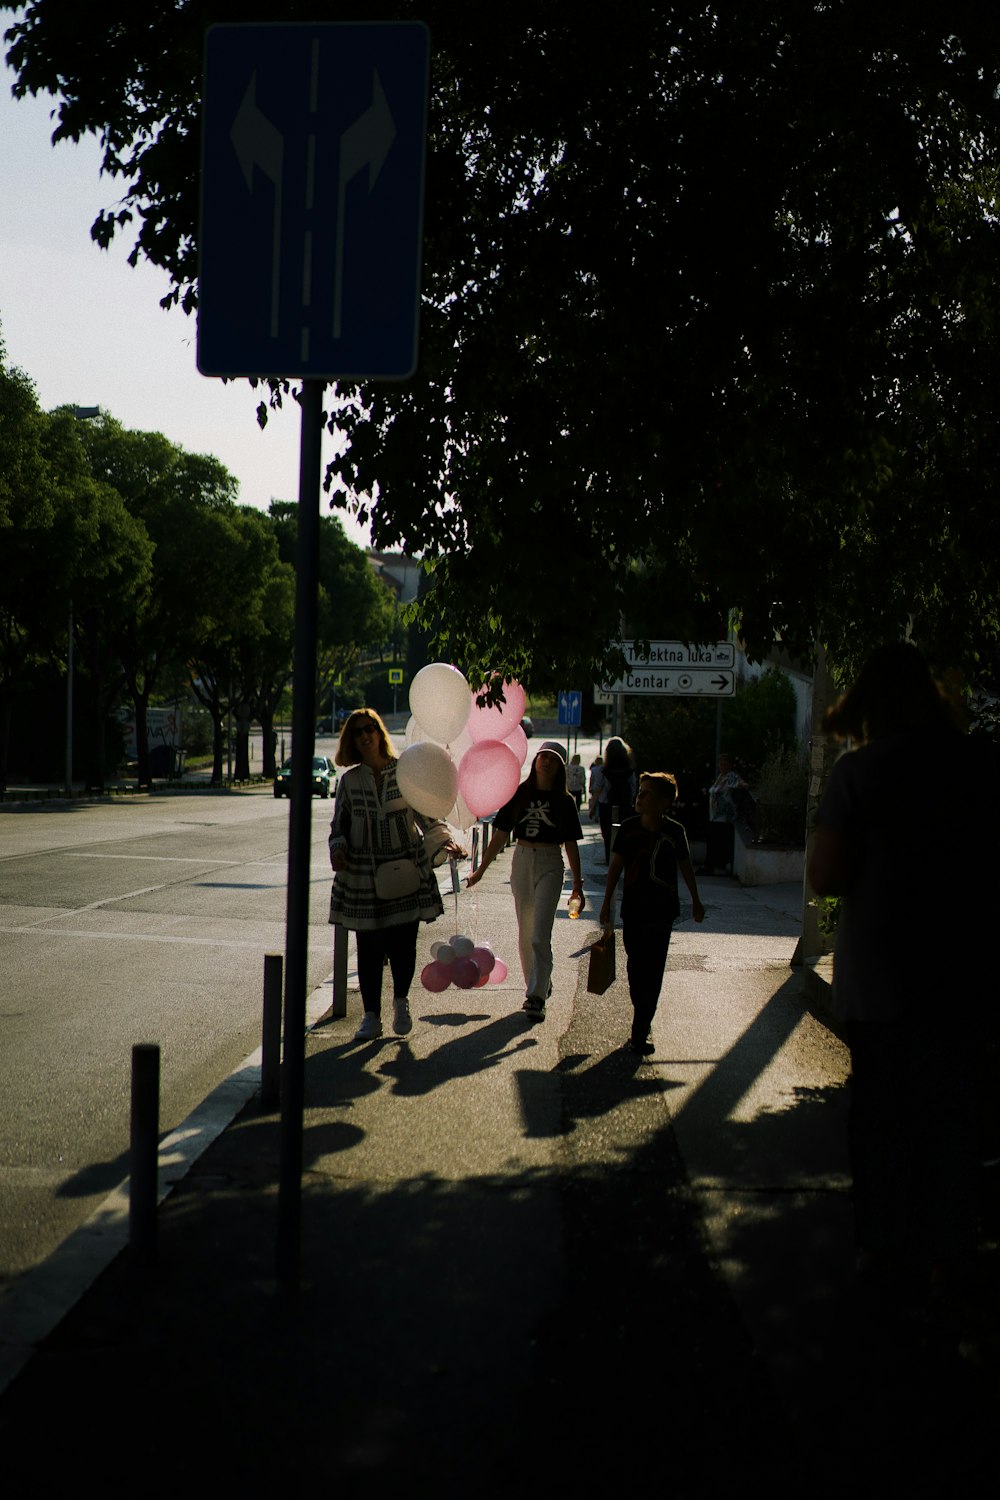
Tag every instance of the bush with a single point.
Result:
(760, 719)
(780, 790)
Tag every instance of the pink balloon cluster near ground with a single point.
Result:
(463, 963)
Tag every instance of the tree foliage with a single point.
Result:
(356, 609)
(708, 315)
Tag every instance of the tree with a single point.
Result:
(178, 498)
(356, 608)
(101, 562)
(707, 310)
(27, 515)
(66, 543)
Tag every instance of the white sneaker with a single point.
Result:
(402, 1021)
(370, 1028)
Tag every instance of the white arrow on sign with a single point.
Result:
(259, 143)
(366, 143)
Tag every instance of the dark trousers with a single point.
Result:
(646, 943)
(916, 1097)
(399, 946)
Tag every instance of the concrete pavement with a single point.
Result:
(528, 1259)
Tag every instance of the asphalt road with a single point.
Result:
(138, 920)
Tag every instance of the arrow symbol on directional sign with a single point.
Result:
(720, 682)
(258, 143)
(366, 143)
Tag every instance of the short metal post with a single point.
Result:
(341, 938)
(475, 849)
(270, 1049)
(144, 1152)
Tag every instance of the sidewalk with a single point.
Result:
(528, 1259)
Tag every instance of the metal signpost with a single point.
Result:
(313, 142)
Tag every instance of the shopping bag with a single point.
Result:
(601, 971)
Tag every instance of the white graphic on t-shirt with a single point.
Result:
(535, 815)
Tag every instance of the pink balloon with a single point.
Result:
(464, 973)
(498, 973)
(435, 977)
(497, 721)
(517, 741)
(484, 959)
(488, 776)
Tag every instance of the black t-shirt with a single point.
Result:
(649, 878)
(543, 818)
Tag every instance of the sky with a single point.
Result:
(87, 328)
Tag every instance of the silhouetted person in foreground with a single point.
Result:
(900, 836)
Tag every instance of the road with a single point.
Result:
(138, 920)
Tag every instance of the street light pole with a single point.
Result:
(69, 706)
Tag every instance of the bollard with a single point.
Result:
(144, 1152)
(341, 938)
(270, 1050)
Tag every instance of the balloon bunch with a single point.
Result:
(463, 963)
(462, 759)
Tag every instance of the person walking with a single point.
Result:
(907, 820)
(576, 781)
(616, 787)
(649, 849)
(544, 819)
(373, 826)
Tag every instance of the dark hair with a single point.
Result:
(895, 693)
(617, 754)
(664, 784)
(346, 754)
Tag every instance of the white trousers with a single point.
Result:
(536, 879)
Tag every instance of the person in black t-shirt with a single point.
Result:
(649, 849)
(543, 817)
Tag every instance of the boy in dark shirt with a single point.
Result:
(650, 848)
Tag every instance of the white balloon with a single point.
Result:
(427, 779)
(441, 699)
(461, 815)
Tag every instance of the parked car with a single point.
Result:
(324, 778)
(528, 727)
(324, 726)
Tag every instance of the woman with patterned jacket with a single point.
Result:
(372, 825)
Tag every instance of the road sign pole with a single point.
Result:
(300, 837)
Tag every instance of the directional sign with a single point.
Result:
(570, 704)
(696, 682)
(312, 199)
(680, 654)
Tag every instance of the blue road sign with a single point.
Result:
(570, 704)
(312, 199)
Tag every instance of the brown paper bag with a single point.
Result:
(601, 972)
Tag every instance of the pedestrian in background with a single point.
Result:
(724, 799)
(544, 819)
(576, 781)
(373, 825)
(902, 830)
(616, 788)
(649, 849)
